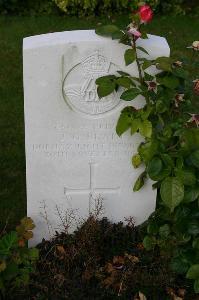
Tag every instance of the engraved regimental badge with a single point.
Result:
(80, 90)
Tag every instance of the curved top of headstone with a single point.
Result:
(52, 39)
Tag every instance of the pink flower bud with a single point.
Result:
(135, 32)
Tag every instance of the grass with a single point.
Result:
(180, 32)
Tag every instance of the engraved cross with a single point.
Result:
(92, 187)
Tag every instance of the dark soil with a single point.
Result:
(102, 261)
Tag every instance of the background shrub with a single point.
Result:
(93, 7)
(178, 6)
(87, 7)
(18, 7)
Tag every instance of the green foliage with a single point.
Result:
(149, 243)
(91, 7)
(177, 7)
(27, 7)
(170, 152)
(16, 260)
(86, 7)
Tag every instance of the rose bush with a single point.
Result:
(169, 123)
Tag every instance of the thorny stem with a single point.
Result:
(139, 67)
(137, 61)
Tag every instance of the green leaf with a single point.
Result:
(181, 73)
(125, 82)
(129, 56)
(167, 160)
(139, 182)
(152, 228)
(164, 231)
(190, 140)
(145, 112)
(180, 265)
(130, 94)
(154, 167)
(194, 158)
(147, 64)
(136, 161)
(123, 124)
(193, 272)
(142, 49)
(135, 79)
(146, 128)
(149, 243)
(195, 243)
(148, 150)
(172, 192)
(108, 30)
(119, 35)
(193, 227)
(105, 79)
(123, 73)
(165, 172)
(196, 286)
(164, 63)
(191, 194)
(7, 242)
(181, 213)
(169, 82)
(160, 106)
(135, 124)
(148, 77)
(186, 176)
(105, 89)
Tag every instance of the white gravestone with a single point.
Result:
(73, 154)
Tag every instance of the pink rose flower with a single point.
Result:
(146, 13)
